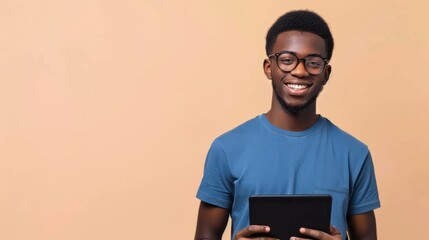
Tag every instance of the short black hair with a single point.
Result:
(300, 20)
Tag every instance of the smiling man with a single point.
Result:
(290, 149)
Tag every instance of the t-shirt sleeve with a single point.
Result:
(364, 197)
(217, 184)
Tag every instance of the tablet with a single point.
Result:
(285, 214)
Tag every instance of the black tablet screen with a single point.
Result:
(285, 214)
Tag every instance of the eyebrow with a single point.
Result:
(309, 55)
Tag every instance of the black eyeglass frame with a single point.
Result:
(325, 60)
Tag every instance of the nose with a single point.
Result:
(299, 70)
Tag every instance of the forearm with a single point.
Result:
(211, 222)
(362, 226)
(204, 233)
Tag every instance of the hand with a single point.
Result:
(334, 234)
(246, 232)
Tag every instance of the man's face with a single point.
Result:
(297, 90)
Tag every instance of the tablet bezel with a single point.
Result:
(285, 214)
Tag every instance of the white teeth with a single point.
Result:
(297, 86)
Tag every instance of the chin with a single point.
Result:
(296, 108)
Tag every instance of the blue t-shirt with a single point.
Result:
(260, 158)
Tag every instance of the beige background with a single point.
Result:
(107, 108)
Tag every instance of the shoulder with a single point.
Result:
(345, 140)
(240, 134)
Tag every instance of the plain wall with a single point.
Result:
(107, 108)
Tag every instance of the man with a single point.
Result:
(290, 149)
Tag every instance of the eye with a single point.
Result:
(286, 60)
(314, 62)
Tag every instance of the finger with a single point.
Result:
(263, 238)
(245, 232)
(314, 233)
(334, 231)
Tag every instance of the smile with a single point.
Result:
(297, 86)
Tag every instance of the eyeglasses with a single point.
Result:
(288, 61)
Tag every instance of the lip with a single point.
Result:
(297, 88)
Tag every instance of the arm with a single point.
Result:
(334, 234)
(211, 222)
(362, 226)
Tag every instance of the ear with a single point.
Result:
(267, 68)
(328, 70)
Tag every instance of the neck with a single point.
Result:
(286, 120)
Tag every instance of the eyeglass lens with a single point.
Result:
(288, 62)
